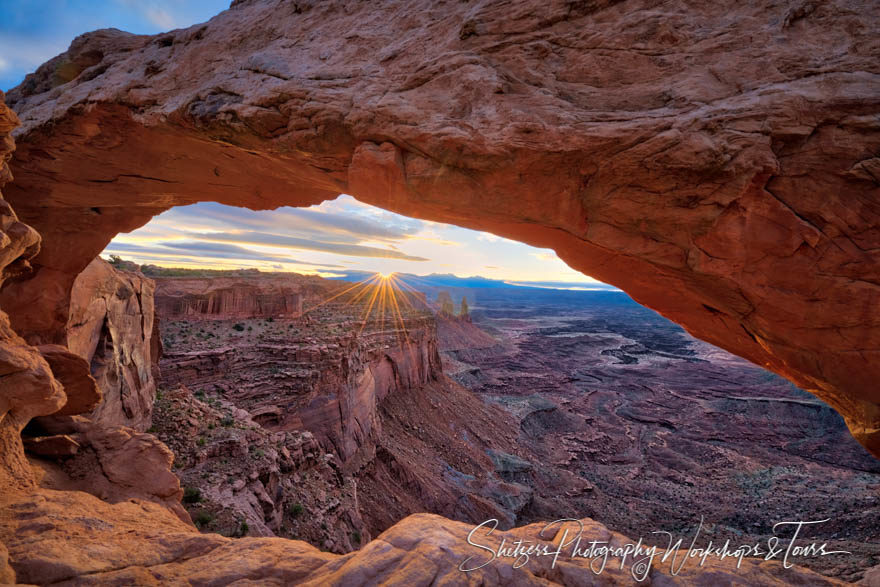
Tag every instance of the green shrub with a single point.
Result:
(238, 327)
(296, 510)
(203, 518)
(192, 495)
(356, 537)
(201, 441)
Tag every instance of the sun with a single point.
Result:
(385, 275)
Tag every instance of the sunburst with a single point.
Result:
(385, 299)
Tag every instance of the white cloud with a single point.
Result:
(160, 17)
(27, 53)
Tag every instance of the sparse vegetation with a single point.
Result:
(295, 510)
(203, 518)
(192, 495)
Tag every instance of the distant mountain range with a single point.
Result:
(448, 280)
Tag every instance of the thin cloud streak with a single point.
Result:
(330, 226)
(278, 240)
(207, 250)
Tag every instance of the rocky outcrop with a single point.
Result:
(72, 371)
(718, 165)
(111, 327)
(28, 387)
(421, 550)
(114, 463)
(243, 480)
(257, 296)
(326, 376)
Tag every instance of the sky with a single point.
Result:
(335, 236)
(34, 31)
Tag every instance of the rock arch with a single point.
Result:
(718, 164)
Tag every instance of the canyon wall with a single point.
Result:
(330, 386)
(361, 390)
(324, 372)
(717, 164)
(229, 297)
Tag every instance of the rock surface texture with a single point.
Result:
(420, 550)
(719, 164)
(111, 327)
(219, 298)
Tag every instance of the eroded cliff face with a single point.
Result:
(322, 372)
(219, 298)
(364, 390)
(717, 164)
(111, 327)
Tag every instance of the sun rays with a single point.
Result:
(384, 301)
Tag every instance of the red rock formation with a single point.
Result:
(28, 387)
(421, 550)
(71, 536)
(719, 165)
(111, 327)
(259, 296)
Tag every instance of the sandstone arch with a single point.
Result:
(717, 163)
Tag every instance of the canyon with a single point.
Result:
(718, 164)
(664, 429)
(362, 391)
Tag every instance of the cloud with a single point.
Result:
(22, 54)
(222, 251)
(228, 252)
(548, 257)
(330, 226)
(160, 17)
(278, 240)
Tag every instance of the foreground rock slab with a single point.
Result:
(72, 538)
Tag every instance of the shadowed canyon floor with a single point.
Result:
(665, 428)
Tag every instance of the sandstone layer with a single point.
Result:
(421, 550)
(251, 296)
(719, 164)
(111, 325)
